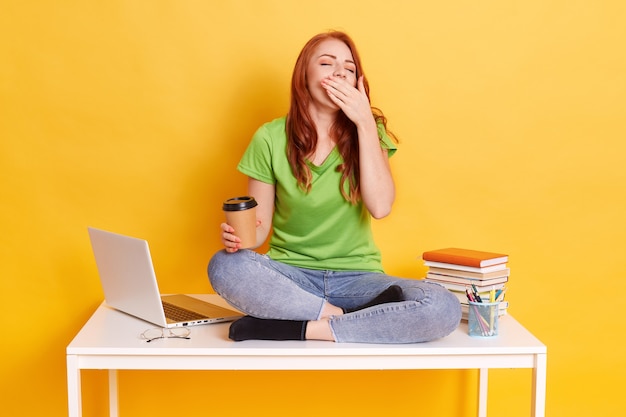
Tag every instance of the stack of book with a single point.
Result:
(460, 269)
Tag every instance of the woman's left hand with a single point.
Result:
(352, 101)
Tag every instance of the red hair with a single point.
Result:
(301, 132)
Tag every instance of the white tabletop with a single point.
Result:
(110, 332)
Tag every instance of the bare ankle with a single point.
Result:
(319, 330)
(330, 310)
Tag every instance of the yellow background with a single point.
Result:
(131, 116)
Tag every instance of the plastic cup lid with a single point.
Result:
(239, 203)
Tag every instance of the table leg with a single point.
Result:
(539, 386)
(113, 394)
(483, 381)
(74, 397)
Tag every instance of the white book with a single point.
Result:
(483, 270)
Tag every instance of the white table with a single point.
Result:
(110, 340)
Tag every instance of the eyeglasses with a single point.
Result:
(158, 333)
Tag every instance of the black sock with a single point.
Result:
(248, 327)
(390, 295)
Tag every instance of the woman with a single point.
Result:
(319, 175)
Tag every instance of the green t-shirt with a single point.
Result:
(315, 230)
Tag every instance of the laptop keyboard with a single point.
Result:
(176, 313)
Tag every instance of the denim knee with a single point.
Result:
(219, 269)
(449, 311)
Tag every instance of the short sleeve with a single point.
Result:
(385, 141)
(256, 161)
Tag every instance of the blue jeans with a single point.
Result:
(264, 288)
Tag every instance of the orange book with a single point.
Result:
(465, 257)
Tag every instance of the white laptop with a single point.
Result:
(130, 285)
